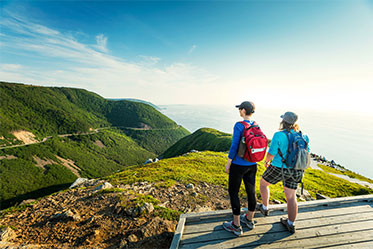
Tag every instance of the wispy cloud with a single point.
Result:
(150, 60)
(10, 67)
(73, 63)
(101, 43)
(192, 49)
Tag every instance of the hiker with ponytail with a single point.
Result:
(286, 160)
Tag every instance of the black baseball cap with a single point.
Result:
(248, 106)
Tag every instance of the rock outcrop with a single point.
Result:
(7, 234)
(138, 215)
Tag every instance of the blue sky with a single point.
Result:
(288, 54)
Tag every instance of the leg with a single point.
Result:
(264, 191)
(271, 175)
(235, 179)
(292, 205)
(249, 181)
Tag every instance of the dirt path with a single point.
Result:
(313, 165)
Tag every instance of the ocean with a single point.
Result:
(344, 137)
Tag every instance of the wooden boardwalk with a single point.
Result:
(332, 223)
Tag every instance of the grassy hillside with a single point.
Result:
(120, 212)
(22, 179)
(209, 167)
(202, 139)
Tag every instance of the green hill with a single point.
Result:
(129, 133)
(58, 110)
(208, 167)
(202, 139)
(138, 100)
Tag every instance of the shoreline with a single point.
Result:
(317, 159)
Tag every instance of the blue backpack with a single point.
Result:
(297, 156)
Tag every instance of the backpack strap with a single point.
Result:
(284, 159)
(246, 127)
(247, 124)
(279, 151)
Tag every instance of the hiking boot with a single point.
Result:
(228, 225)
(250, 224)
(262, 210)
(284, 222)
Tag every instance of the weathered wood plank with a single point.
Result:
(322, 242)
(273, 212)
(323, 223)
(284, 238)
(351, 244)
(178, 234)
(348, 241)
(334, 222)
(317, 213)
(334, 201)
(218, 232)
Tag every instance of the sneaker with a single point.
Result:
(250, 224)
(262, 210)
(228, 225)
(284, 222)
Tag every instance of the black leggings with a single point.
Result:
(236, 174)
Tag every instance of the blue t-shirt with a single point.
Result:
(237, 135)
(280, 141)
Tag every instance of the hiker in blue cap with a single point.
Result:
(238, 170)
(277, 170)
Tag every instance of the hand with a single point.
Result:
(268, 160)
(227, 167)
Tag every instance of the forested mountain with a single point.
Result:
(58, 110)
(72, 133)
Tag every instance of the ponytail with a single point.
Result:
(288, 127)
